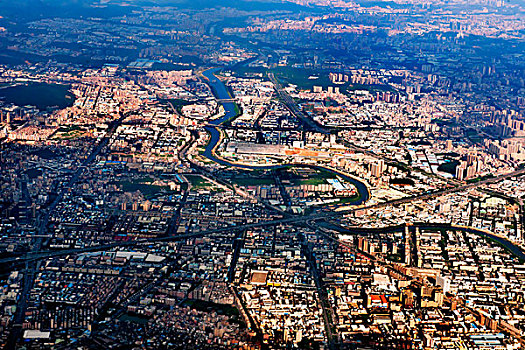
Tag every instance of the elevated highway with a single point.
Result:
(35, 256)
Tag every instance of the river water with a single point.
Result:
(221, 93)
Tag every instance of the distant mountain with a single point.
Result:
(21, 10)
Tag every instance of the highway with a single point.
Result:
(284, 194)
(35, 256)
(31, 265)
(292, 106)
(326, 306)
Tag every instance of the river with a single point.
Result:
(221, 93)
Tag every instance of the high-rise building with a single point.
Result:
(377, 168)
(471, 158)
(444, 283)
(460, 171)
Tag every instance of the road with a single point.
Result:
(326, 306)
(31, 265)
(237, 245)
(228, 229)
(287, 200)
(292, 106)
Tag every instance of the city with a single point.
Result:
(323, 174)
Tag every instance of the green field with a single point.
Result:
(449, 167)
(255, 181)
(310, 181)
(68, 133)
(178, 103)
(143, 187)
(198, 182)
(134, 319)
(317, 177)
(300, 77)
(67, 129)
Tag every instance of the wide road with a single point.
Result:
(292, 106)
(31, 264)
(230, 228)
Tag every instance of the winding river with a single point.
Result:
(221, 93)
